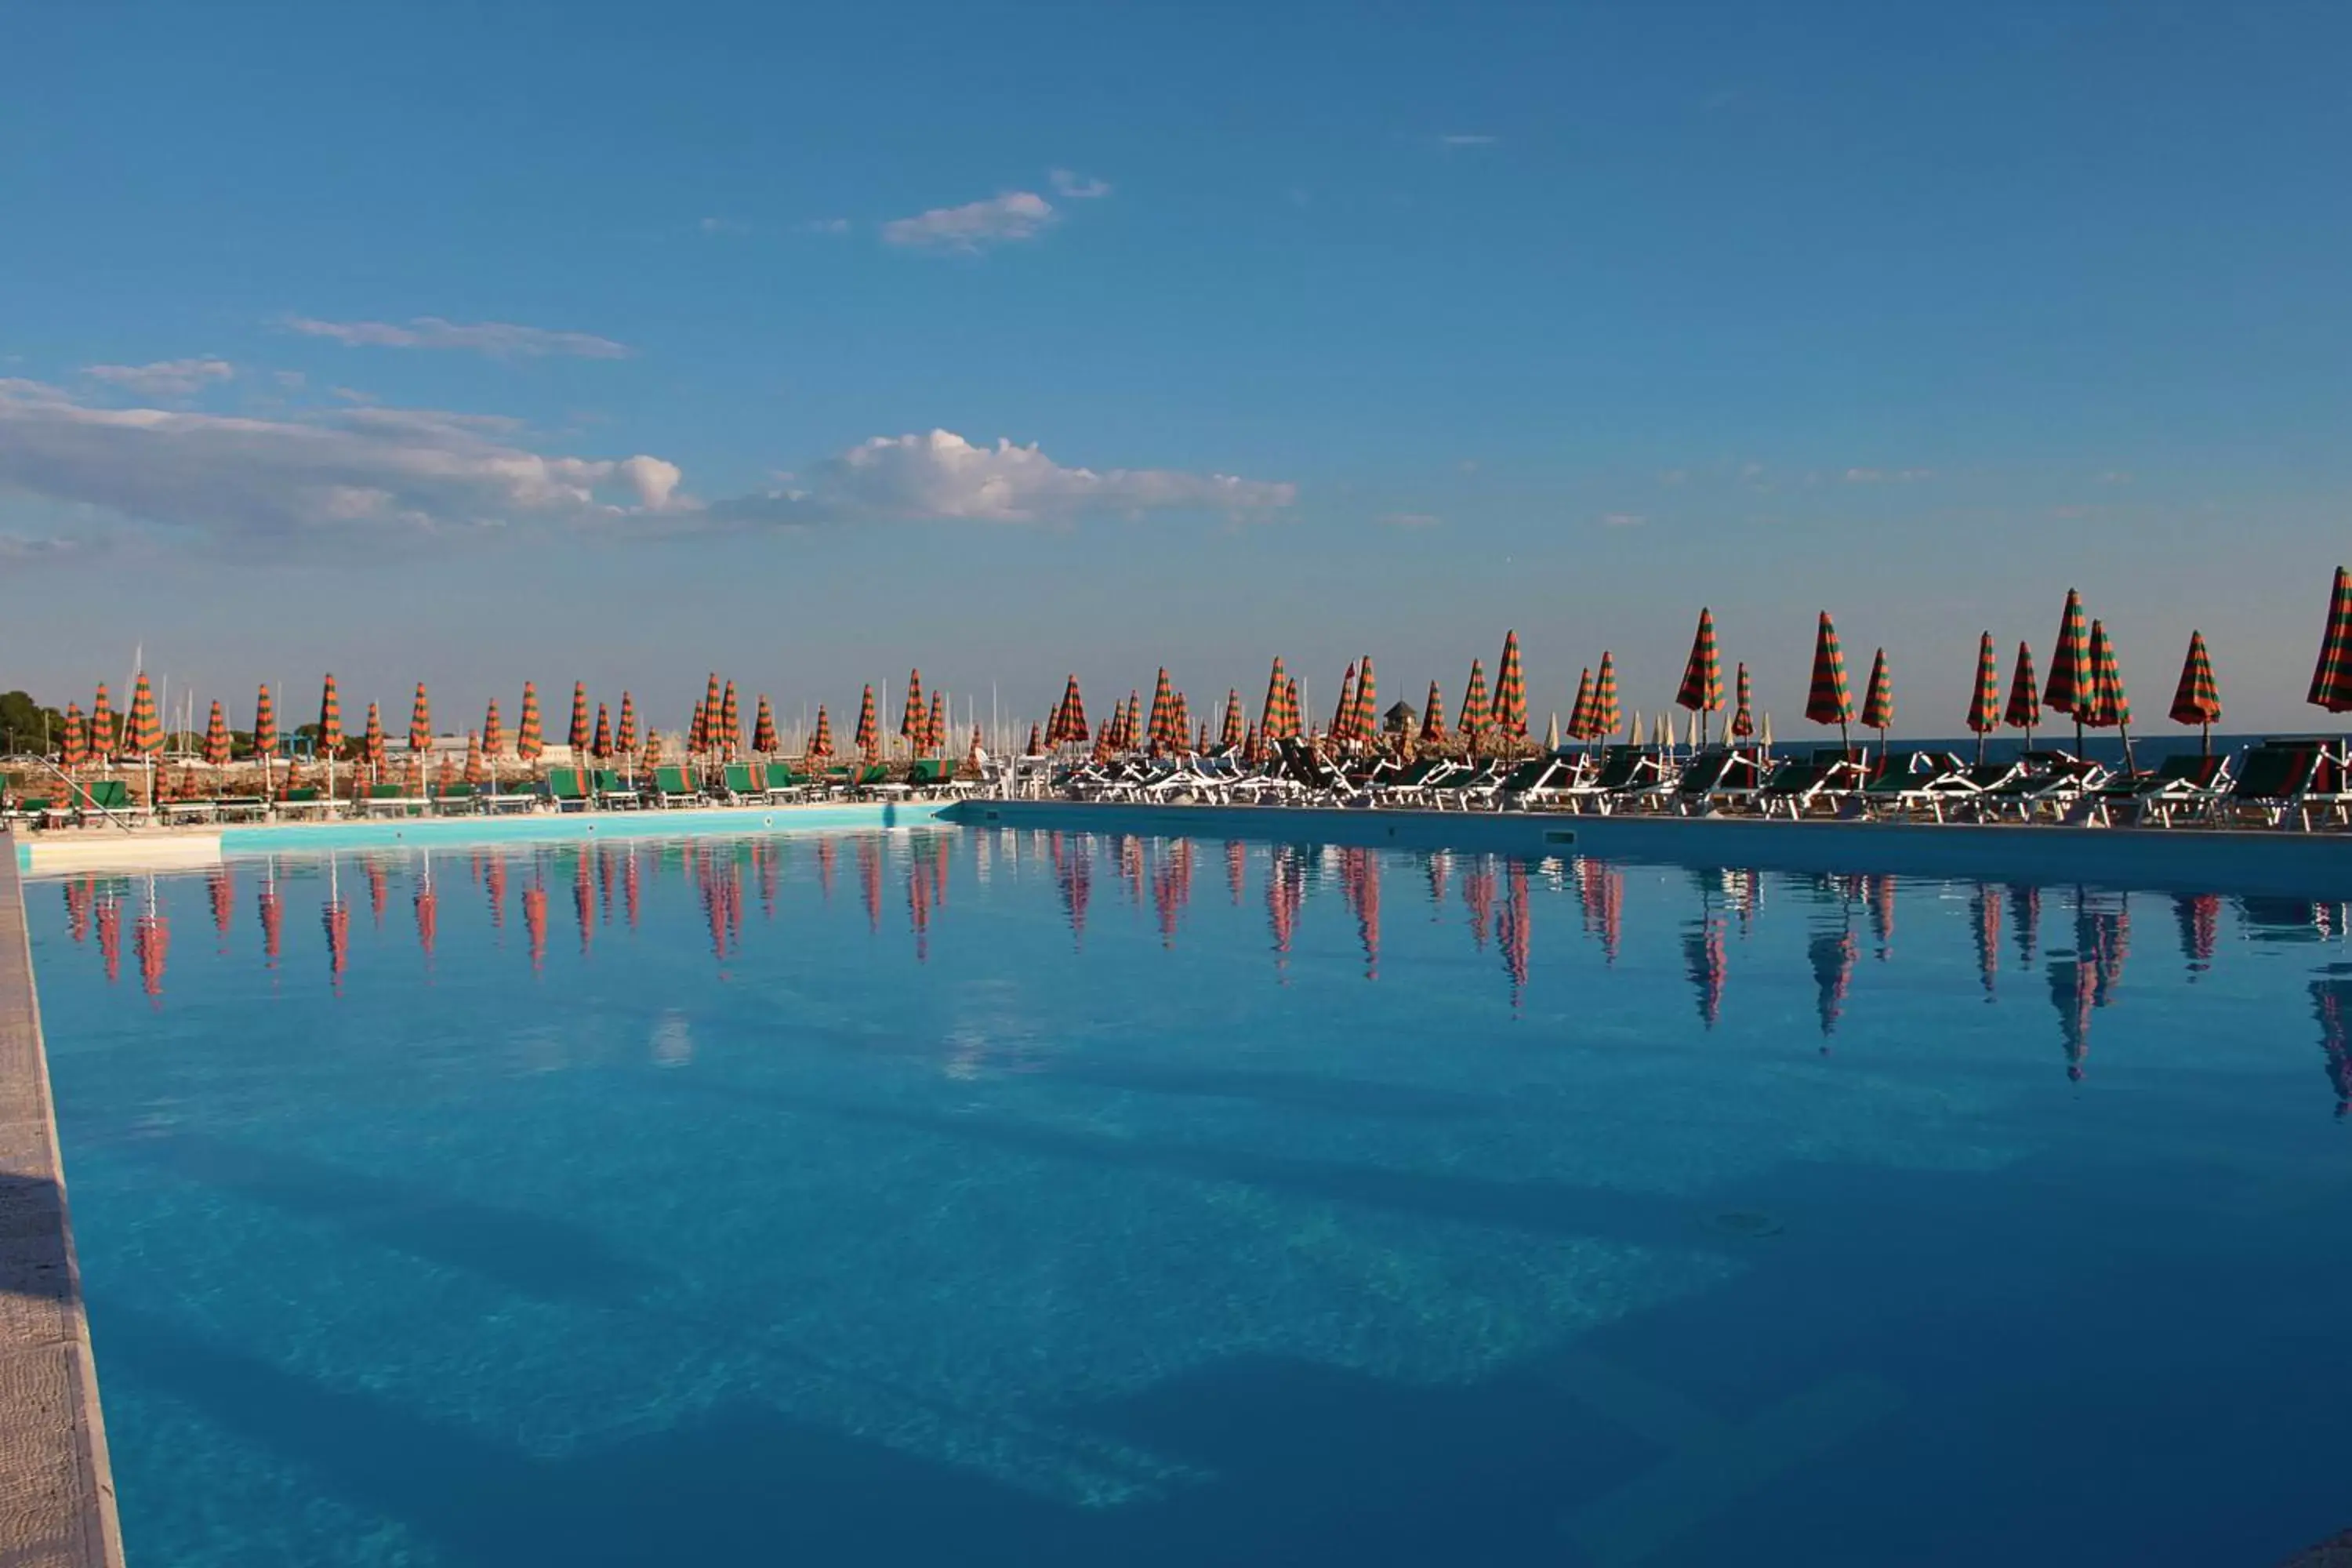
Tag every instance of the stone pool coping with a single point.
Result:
(57, 1490)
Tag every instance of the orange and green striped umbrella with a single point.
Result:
(1878, 700)
(1476, 707)
(264, 725)
(1433, 718)
(1072, 716)
(935, 731)
(910, 716)
(705, 735)
(625, 735)
(1580, 712)
(420, 723)
(530, 743)
(1829, 702)
(1604, 716)
(76, 744)
(1984, 704)
(2107, 700)
(103, 730)
(1278, 693)
(146, 736)
(494, 732)
(1130, 724)
(1743, 717)
(2069, 671)
(2331, 682)
(1509, 713)
(764, 727)
(1232, 735)
(1053, 723)
(697, 730)
(730, 723)
(821, 744)
(2198, 698)
(475, 773)
(371, 749)
(217, 737)
(1179, 723)
(653, 749)
(868, 739)
(1366, 723)
(1343, 717)
(577, 737)
(1293, 716)
(1702, 688)
(2024, 710)
(1163, 710)
(600, 745)
(1037, 742)
(330, 719)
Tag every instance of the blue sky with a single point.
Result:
(593, 342)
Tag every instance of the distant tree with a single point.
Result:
(26, 726)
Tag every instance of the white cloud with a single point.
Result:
(1068, 183)
(1412, 519)
(1622, 519)
(973, 227)
(165, 378)
(724, 226)
(292, 380)
(2115, 477)
(363, 472)
(942, 477)
(1888, 475)
(825, 225)
(1467, 139)
(498, 340)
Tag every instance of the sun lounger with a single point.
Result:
(671, 789)
(1911, 784)
(31, 811)
(2279, 779)
(1714, 779)
(568, 788)
(1532, 783)
(781, 784)
(393, 800)
(1803, 784)
(2180, 785)
(2046, 783)
(459, 799)
(1625, 771)
(511, 796)
(309, 800)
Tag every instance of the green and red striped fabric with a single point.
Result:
(1433, 718)
(1231, 736)
(821, 744)
(2198, 698)
(330, 719)
(1478, 708)
(74, 747)
(698, 730)
(1036, 742)
(2106, 703)
(1179, 723)
(1580, 712)
(1743, 715)
(530, 742)
(912, 720)
(1343, 717)
(372, 746)
(1984, 703)
(2070, 671)
(2331, 682)
(1878, 698)
(217, 737)
(1509, 713)
(420, 723)
(934, 728)
(2024, 710)
(653, 749)
(1073, 713)
(763, 728)
(1604, 716)
(599, 741)
(1277, 691)
(1365, 723)
(624, 737)
(730, 724)
(265, 725)
(1163, 711)
(579, 734)
(1828, 702)
(105, 734)
(868, 739)
(476, 774)
(494, 732)
(1702, 688)
(146, 733)
(1294, 717)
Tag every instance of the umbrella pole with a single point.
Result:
(1981, 738)
(2208, 727)
(2125, 730)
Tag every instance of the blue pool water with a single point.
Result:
(994, 1196)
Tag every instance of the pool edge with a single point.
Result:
(57, 1487)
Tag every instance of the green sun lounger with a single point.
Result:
(568, 788)
(672, 788)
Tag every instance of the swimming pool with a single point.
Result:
(997, 1196)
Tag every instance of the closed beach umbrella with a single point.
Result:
(821, 744)
(624, 737)
(868, 739)
(1269, 718)
(1366, 722)
(910, 717)
(2070, 665)
(1580, 712)
(600, 744)
(217, 738)
(1743, 720)
(730, 723)
(2198, 700)
(475, 772)
(1828, 702)
(1878, 703)
(1232, 734)
(1163, 711)
(530, 743)
(103, 738)
(76, 744)
(1551, 734)
(1477, 707)
(579, 734)
(697, 730)
(1072, 714)
(1180, 722)
(1433, 718)
(1702, 688)
(1343, 717)
(1604, 716)
(763, 728)
(1984, 703)
(2331, 682)
(265, 726)
(330, 727)
(146, 736)
(2024, 710)
(935, 731)
(1293, 716)
(653, 749)
(494, 732)
(420, 722)
(1508, 714)
(371, 747)
(1036, 740)
(2104, 700)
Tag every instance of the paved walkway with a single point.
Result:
(56, 1495)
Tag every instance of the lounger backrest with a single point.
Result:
(383, 792)
(2273, 772)
(781, 776)
(306, 795)
(109, 794)
(1705, 774)
(1796, 775)
(564, 783)
(1623, 762)
(738, 778)
(670, 779)
(947, 770)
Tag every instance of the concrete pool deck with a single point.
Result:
(56, 1491)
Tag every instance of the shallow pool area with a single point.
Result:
(998, 1195)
